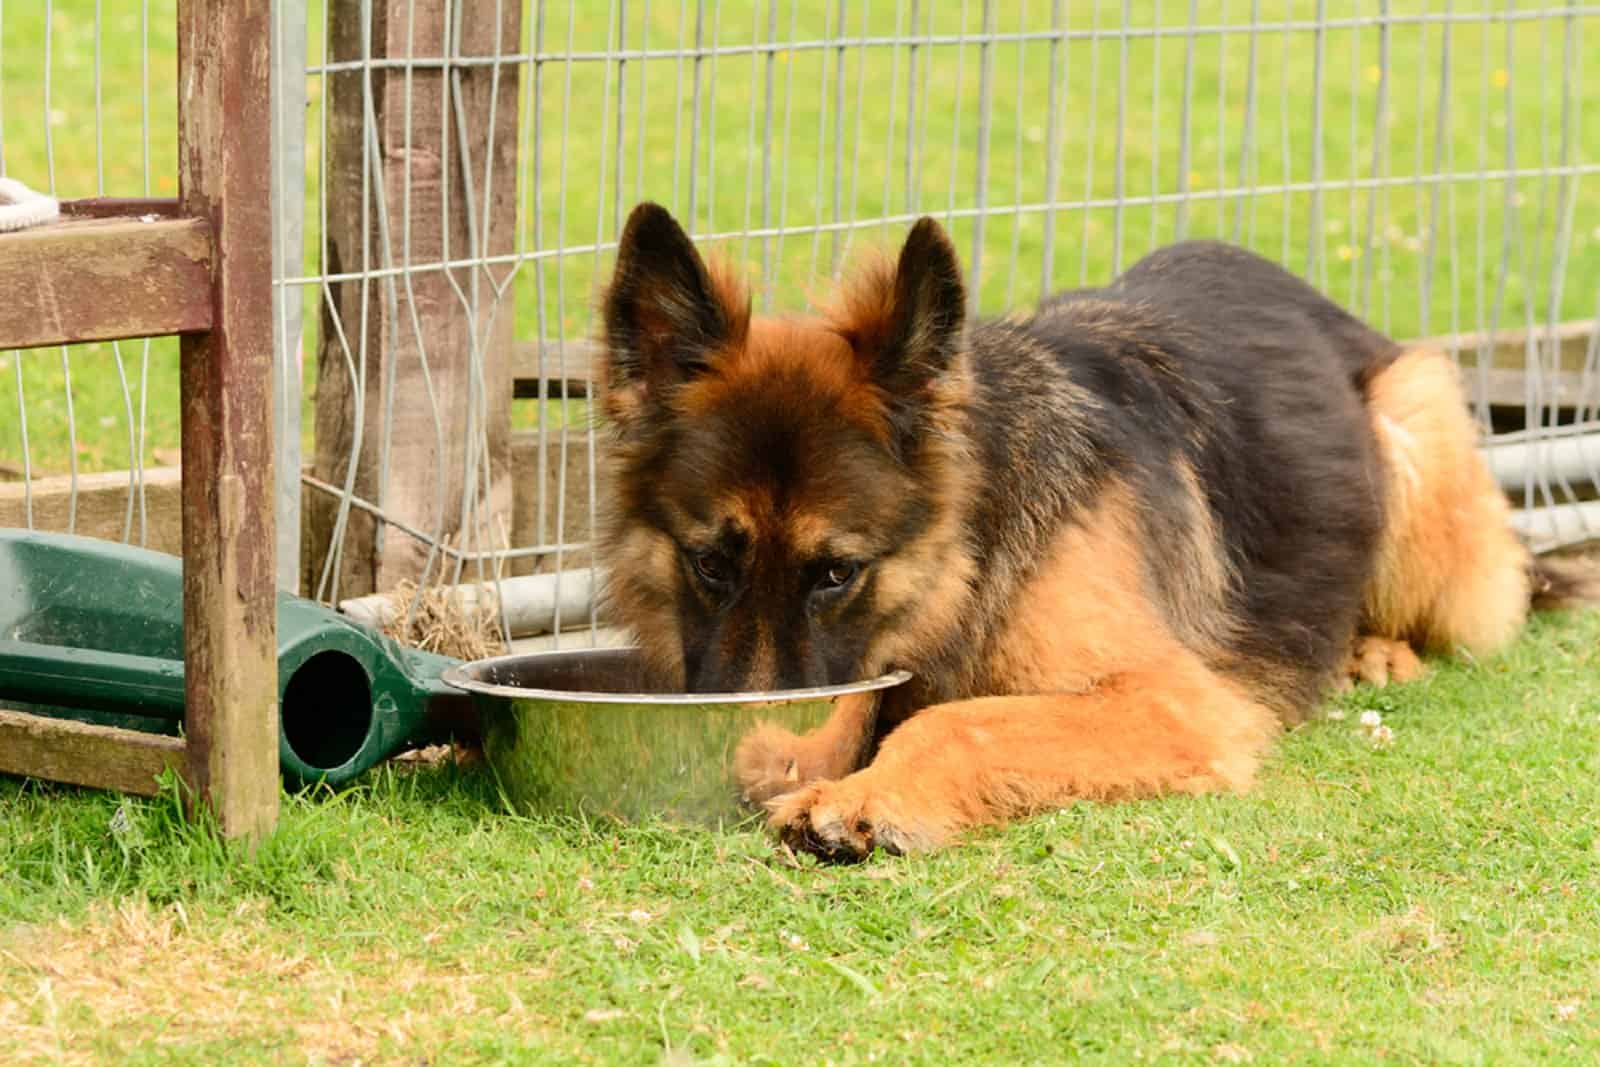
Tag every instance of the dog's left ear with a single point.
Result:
(666, 314)
(930, 309)
(907, 326)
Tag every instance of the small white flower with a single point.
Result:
(1382, 736)
(1370, 720)
(640, 916)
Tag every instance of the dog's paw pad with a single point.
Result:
(836, 823)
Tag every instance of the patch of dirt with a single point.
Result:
(134, 976)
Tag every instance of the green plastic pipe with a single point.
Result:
(93, 631)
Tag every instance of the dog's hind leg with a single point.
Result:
(1381, 660)
(986, 761)
(1450, 573)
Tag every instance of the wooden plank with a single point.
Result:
(229, 582)
(1502, 383)
(1508, 388)
(103, 757)
(416, 152)
(530, 476)
(102, 507)
(1507, 349)
(533, 362)
(103, 280)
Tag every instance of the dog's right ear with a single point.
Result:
(666, 315)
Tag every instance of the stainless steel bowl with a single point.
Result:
(571, 731)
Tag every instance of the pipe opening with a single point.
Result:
(327, 710)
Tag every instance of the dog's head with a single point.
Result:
(782, 510)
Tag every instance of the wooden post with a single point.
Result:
(385, 326)
(229, 594)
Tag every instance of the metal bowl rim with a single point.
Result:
(459, 677)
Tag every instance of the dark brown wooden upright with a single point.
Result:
(229, 578)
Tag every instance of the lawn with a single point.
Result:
(1432, 901)
(1503, 253)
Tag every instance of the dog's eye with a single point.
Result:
(838, 575)
(713, 567)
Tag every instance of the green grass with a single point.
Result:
(1495, 245)
(1432, 902)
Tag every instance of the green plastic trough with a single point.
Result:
(93, 631)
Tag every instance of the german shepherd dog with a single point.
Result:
(1121, 541)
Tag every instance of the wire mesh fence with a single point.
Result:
(451, 176)
(85, 112)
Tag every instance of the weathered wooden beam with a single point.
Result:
(430, 152)
(555, 364)
(122, 207)
(1509, 388)
(104, 757)
(229, 583)
(102, 508)
(103, 280)
(1507, 349)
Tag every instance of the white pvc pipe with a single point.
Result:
(1558, 525)
(529, 603)
(1570, 457)
(570, 640)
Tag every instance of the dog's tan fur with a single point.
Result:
(1450, 572)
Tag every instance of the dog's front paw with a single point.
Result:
(767, 764)
(842, 822)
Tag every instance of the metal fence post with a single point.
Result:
(288, 223)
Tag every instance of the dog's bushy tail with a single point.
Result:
(1555, 584)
